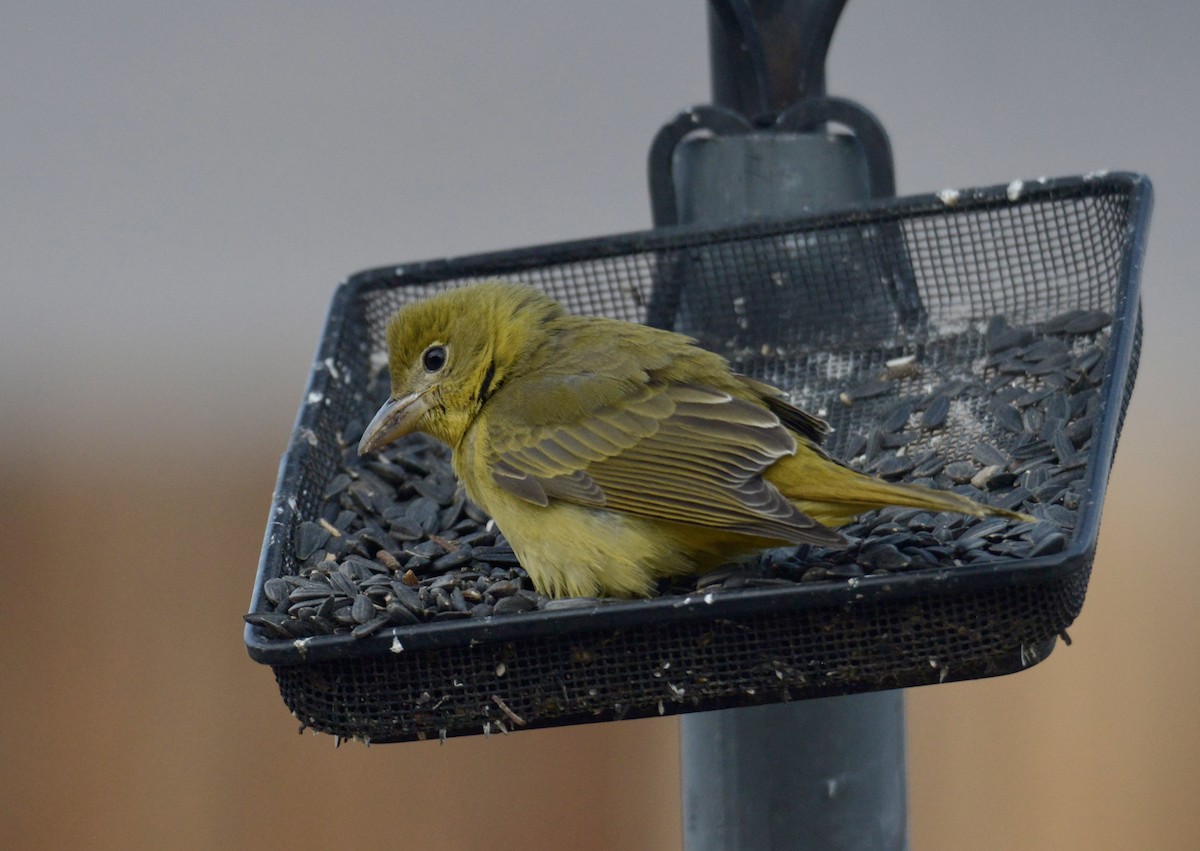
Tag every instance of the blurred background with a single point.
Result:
(181, 188)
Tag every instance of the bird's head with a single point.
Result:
(448, 354)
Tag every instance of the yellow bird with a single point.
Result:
(611, 454)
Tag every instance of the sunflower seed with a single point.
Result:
(460, 556)
(404, 594)
(1049, 545)
(1060, 515)
(960, 471)
(357, 568)
(1080, 431)
(856, 445)
(370, 627)
(1047, 348)
(1049, 365)
(1058, 406)
(929, 463)
(866, 390)
(885, 556)
(425, 513)
(936, 411)
(513, 605)
(987, 454)
(374, 535)
(1014, 499)
(1008, 338)
(1001, 480)
(440, 492)
(1089, 359)
(874, 442)
(1087, 322)
(276, 590)
(1063, 447)
(276, 626)
(359, 496)
(1008, 418)
(499, 555)
(363, 609)
(897, 418)
(309, 538)
(426, 549)
(475, 512)
(336, 485)
(893, 466)
(503, 588)
(308, 596)
(406, 529)
(391, 473)
(984, 528)
(400, 615)
(454, 512)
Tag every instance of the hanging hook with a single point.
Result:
(768, 54)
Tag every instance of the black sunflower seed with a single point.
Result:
(276, 590)
(370, 627)
(893, 466)
(363, 609)
(960, 471)
(987, 454)
(1008, 418)
(457, 557)
(275, 625)
(513, 605)
(897, 418)
(1050, 544)
(1087, 322)
(936, 411)
(309, 538)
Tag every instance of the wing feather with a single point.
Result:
(679, 452)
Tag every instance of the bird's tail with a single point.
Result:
(833, 495)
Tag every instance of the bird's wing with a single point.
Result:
(801, 422)
(682, 453)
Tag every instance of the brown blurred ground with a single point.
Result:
(134, 719)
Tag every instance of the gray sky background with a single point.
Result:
(182, 185)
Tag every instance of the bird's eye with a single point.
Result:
(434, 358)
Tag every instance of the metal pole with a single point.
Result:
(818, 774)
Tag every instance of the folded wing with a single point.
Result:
(682, 453)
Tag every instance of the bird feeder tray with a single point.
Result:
(982, 339)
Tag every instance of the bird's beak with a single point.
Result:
(395, 419)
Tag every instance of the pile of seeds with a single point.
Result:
(397, 543)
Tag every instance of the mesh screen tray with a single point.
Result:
(933, 332)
